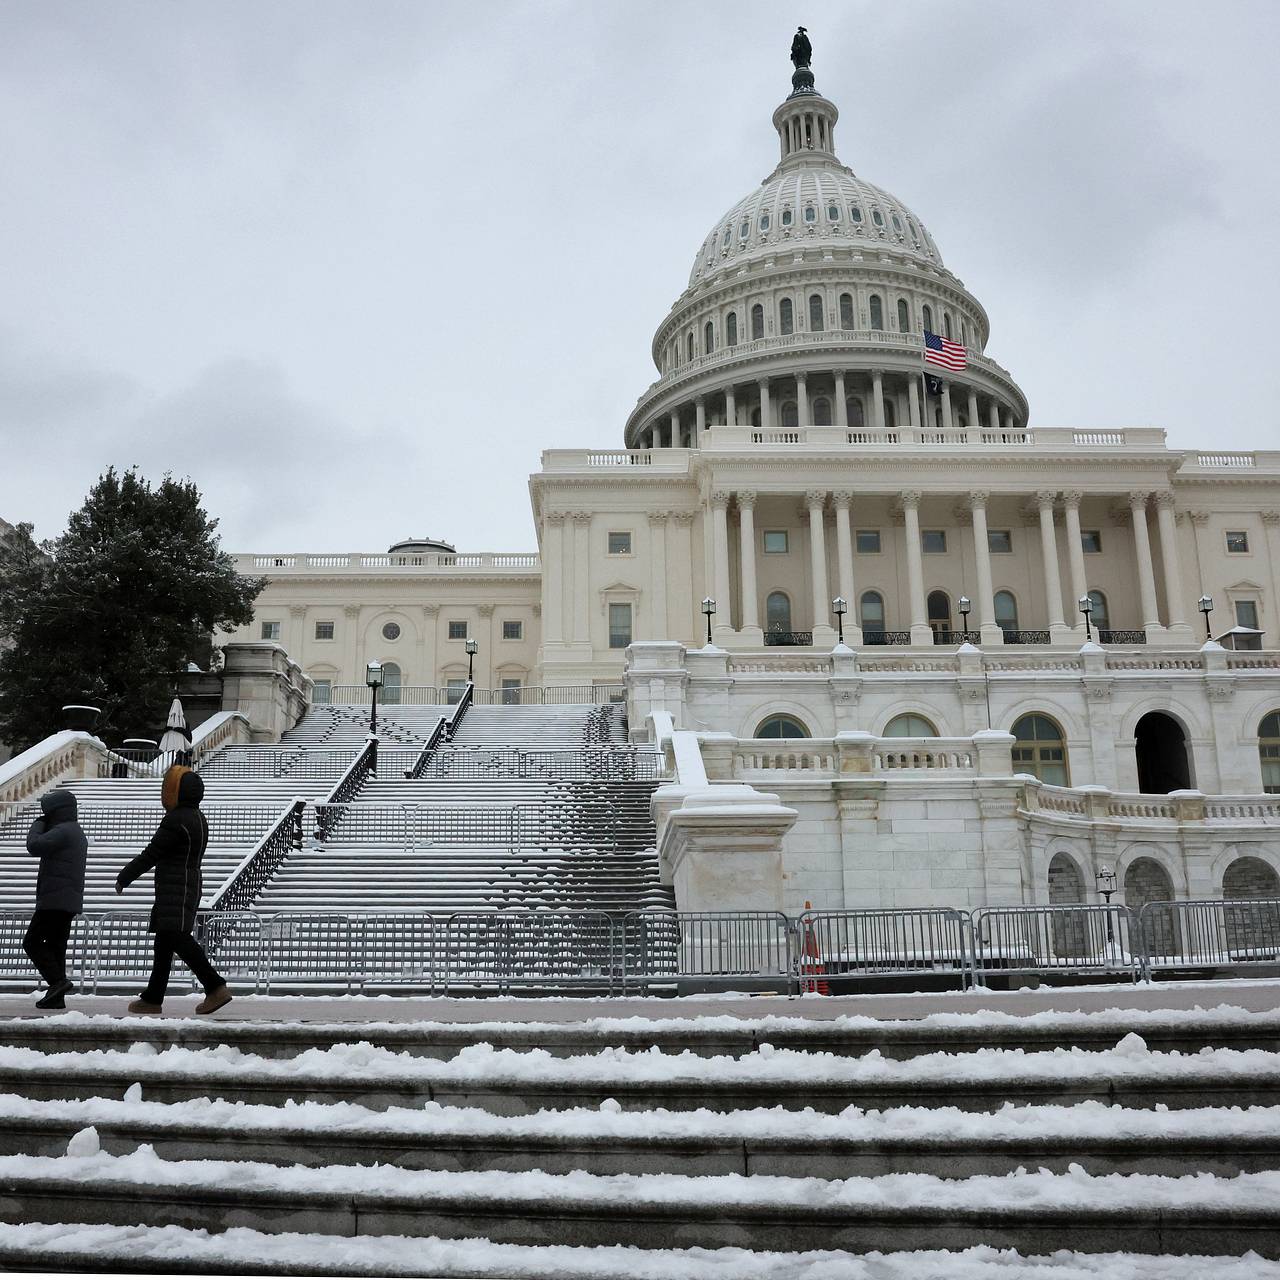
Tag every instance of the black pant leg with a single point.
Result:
(161, 965)
(46, 943)
(192, 955)
(57, 934)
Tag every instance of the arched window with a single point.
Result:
(781, 727)
(939, 609)
(904, 316)
(1257, 925)
(1070, 928)
(822, 412)
(846, 311)
(1250, 878)
(946, 324)
(708, 338)
(786, 316)
(689, 345)
(1146, 881)
(1101, 615)
(1269, 751)
(890, 414)
(777, 611)
(731, 329)
(1161, 747)
(757, 321)
(1040, 749)
(391, 679)
(909, 726)
(877, 311)
(871, 612)
(854, 408)
(1006, 611)
(926, 316)
(815, 313)
(790, 415)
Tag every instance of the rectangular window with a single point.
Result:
(510, 691)
(775, 542)
(454, 690)
(620, 543)
(1091, 540)
(512, 630)
(999, 540)
(619, 626)
(868, 541)
(457, 631)
(1247, 614)
(321, 692)
(324, 630)
(1237, 541)
(933, 541)
(271, 631)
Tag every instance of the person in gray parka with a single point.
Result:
(58, 841)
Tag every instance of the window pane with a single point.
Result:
(868, 540)
(933, 540)
(775, 541)
(1237, 540)
(324, 630)
(457, 630)
(877, 312)
(620, 543)
(512, 630)
(731, 329)
(778, 612)
(904, 316)
(786, 316)
(999, 540)
(619, 626)
(846, 311)
(815, 313)
(271, 631)
(1091, 539)
(757, 321)
(871, 611)
(1247, 614)
(1006, 611)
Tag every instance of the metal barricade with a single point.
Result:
(398, 949)
(705, 950)
(233, 942)
(16, 969)
(1083, 938)
(308, 948)
(1222, 933)
(123, 951)
(496, 951)
(862, 944)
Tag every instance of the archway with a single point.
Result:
(1253, 930)
(781, 726)
(390, 695)
(1066, 887)
(1161, 747)
(1146, 881)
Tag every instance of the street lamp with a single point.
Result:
(964, 604)
(709, 609)
(1106, 879)
(1086, 607)
(1205, 605)
(373, 678)
(471, 647)
(840, 606)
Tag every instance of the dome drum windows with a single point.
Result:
(708, 338)
(833, 213)
(757, 321)
(855, 214)
(876, 307)
(731, 329)
(815, 313)
(786, 217)
(810, 213)
(904, 316)
(846, 311)
(877, 217)
(764, 223)
(745, 229)
(786, 316)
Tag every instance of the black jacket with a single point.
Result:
(57, 840)
(175, 852)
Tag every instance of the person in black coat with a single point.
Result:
(57, 840)
(175, 853)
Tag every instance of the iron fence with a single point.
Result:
(611, 763)
(723, 950)
(1112, 636)
(871, 637)
(907, 942)
(262, 862)
(114, 824)
(499, 951)
(523, 695)
(322, 763)
(1012, 636)
(1212, 933)
(1058, 939)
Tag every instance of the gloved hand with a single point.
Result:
(119, 885)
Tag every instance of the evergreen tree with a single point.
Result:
(110, 611)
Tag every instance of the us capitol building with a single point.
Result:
(955, 658)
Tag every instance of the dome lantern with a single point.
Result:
(806, 120)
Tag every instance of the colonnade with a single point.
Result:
(1044, 503)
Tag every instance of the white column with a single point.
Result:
(700, 409)
(1175, 609)
(1075, 552)
(1142, 550)
(913, 395)
(749, 606)
(673, 436)
(993, 416)
(842, 406)
(802, 399)
(877, 399)
(921, 632)
(730, 408)
(720, 559)
(842, 500)
(823, 631)
(1045, 500)
(658, 586)
(991, 634)
(947, 420)
(552, 579)
(766, 406)
(581, 577)
(974, 425)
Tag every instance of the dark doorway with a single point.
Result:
(1162, 755)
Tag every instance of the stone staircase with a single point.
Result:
(431, 1143)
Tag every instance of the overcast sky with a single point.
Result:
(351, 266)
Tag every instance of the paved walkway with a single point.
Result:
(1257, 995)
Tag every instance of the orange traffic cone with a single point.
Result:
(811, 962)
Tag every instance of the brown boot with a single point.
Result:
(214, 1000)
(145, 1006)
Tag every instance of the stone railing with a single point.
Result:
(987, 753)
(58, 758)
(1098, 804)
(951, 754)
(557, 461)
(359, 562)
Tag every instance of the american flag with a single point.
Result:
(950, 355)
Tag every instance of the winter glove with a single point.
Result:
(119, 885)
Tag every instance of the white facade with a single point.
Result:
(796, 449)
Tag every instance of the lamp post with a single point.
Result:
(709, 609)
(965, 605)
(471, 647)
(1086, 607)
(373, 678)
(1106, 879)
(840, 606)
(1205, 605)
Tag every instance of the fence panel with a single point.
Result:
(1058, 939)
(836, 944)
(16, 968)
(749, 950)
(1224, 933)
(308, 947)
(399, 949)
(233, 942)
(497, 951)
(124, 949)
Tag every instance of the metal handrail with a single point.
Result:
(1107, 635)
(871, 636)
(261, 863)
(347, 786)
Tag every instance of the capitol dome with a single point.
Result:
(807, 307)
